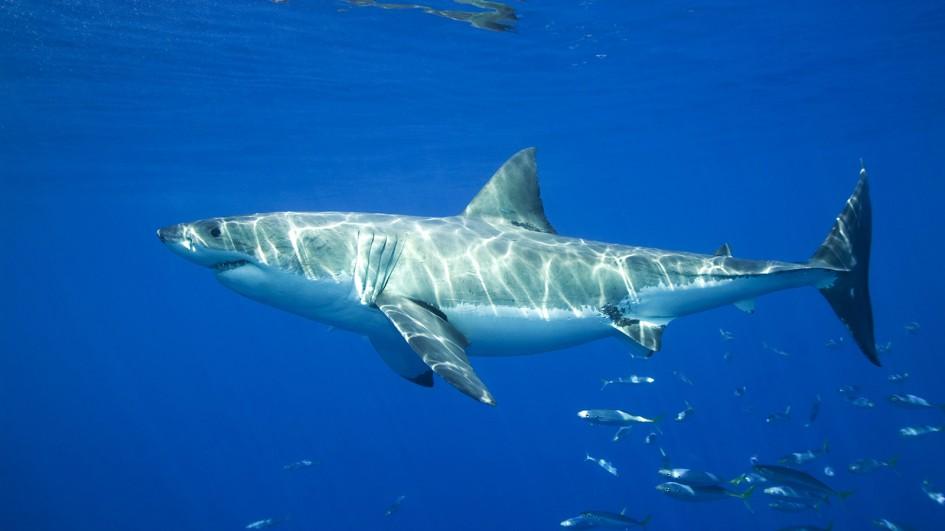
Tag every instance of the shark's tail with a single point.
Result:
(847, 250)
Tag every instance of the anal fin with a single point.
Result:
(647, 335)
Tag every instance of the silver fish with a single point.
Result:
(696, 493)
(863, 466)
(792, 494)
(937, 497)
(603, 519)
(799, 458)
(911, 402)
(777, 351)
(684, 414)
(750, 478)
(898, 377)
(304, 463)
(690, 477)
(884, 523)
(851, 393)
(621, 432)
(603, 463)
(789, 506)
(632, 379)
(787, 476)
(265, 523)
(916, 431)
(834, 344)
(779, 416)
(682, 378)
(814, 411)
(395, 506)
(863, 402)
(612, 417)
(664, 458)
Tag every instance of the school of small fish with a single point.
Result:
(788, 488)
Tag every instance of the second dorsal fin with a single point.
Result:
(512, 195)
(723, 250)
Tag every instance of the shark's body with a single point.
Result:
(497, 280)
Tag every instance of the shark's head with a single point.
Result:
(312, 245)
(300, 262)
(217, 243)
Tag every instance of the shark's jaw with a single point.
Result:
(230, 265)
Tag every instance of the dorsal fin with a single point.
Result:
(723, 250)
(512, 195)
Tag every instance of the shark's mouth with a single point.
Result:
(229, 266)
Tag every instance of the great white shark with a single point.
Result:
(497, 280)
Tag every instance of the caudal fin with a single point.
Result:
(847, 250)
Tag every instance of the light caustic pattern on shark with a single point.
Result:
(498, 280)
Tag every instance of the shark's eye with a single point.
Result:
(215, 232)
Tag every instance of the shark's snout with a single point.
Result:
(179, 240)
(170, 234)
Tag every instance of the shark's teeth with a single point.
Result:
(226, 266)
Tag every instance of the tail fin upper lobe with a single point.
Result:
(847, 249)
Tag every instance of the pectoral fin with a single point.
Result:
(439, 345)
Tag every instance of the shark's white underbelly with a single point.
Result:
(491, 331)
(503, 330)
(513, 331)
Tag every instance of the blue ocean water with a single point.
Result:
(137, 393)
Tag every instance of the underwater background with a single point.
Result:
(137, 393)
